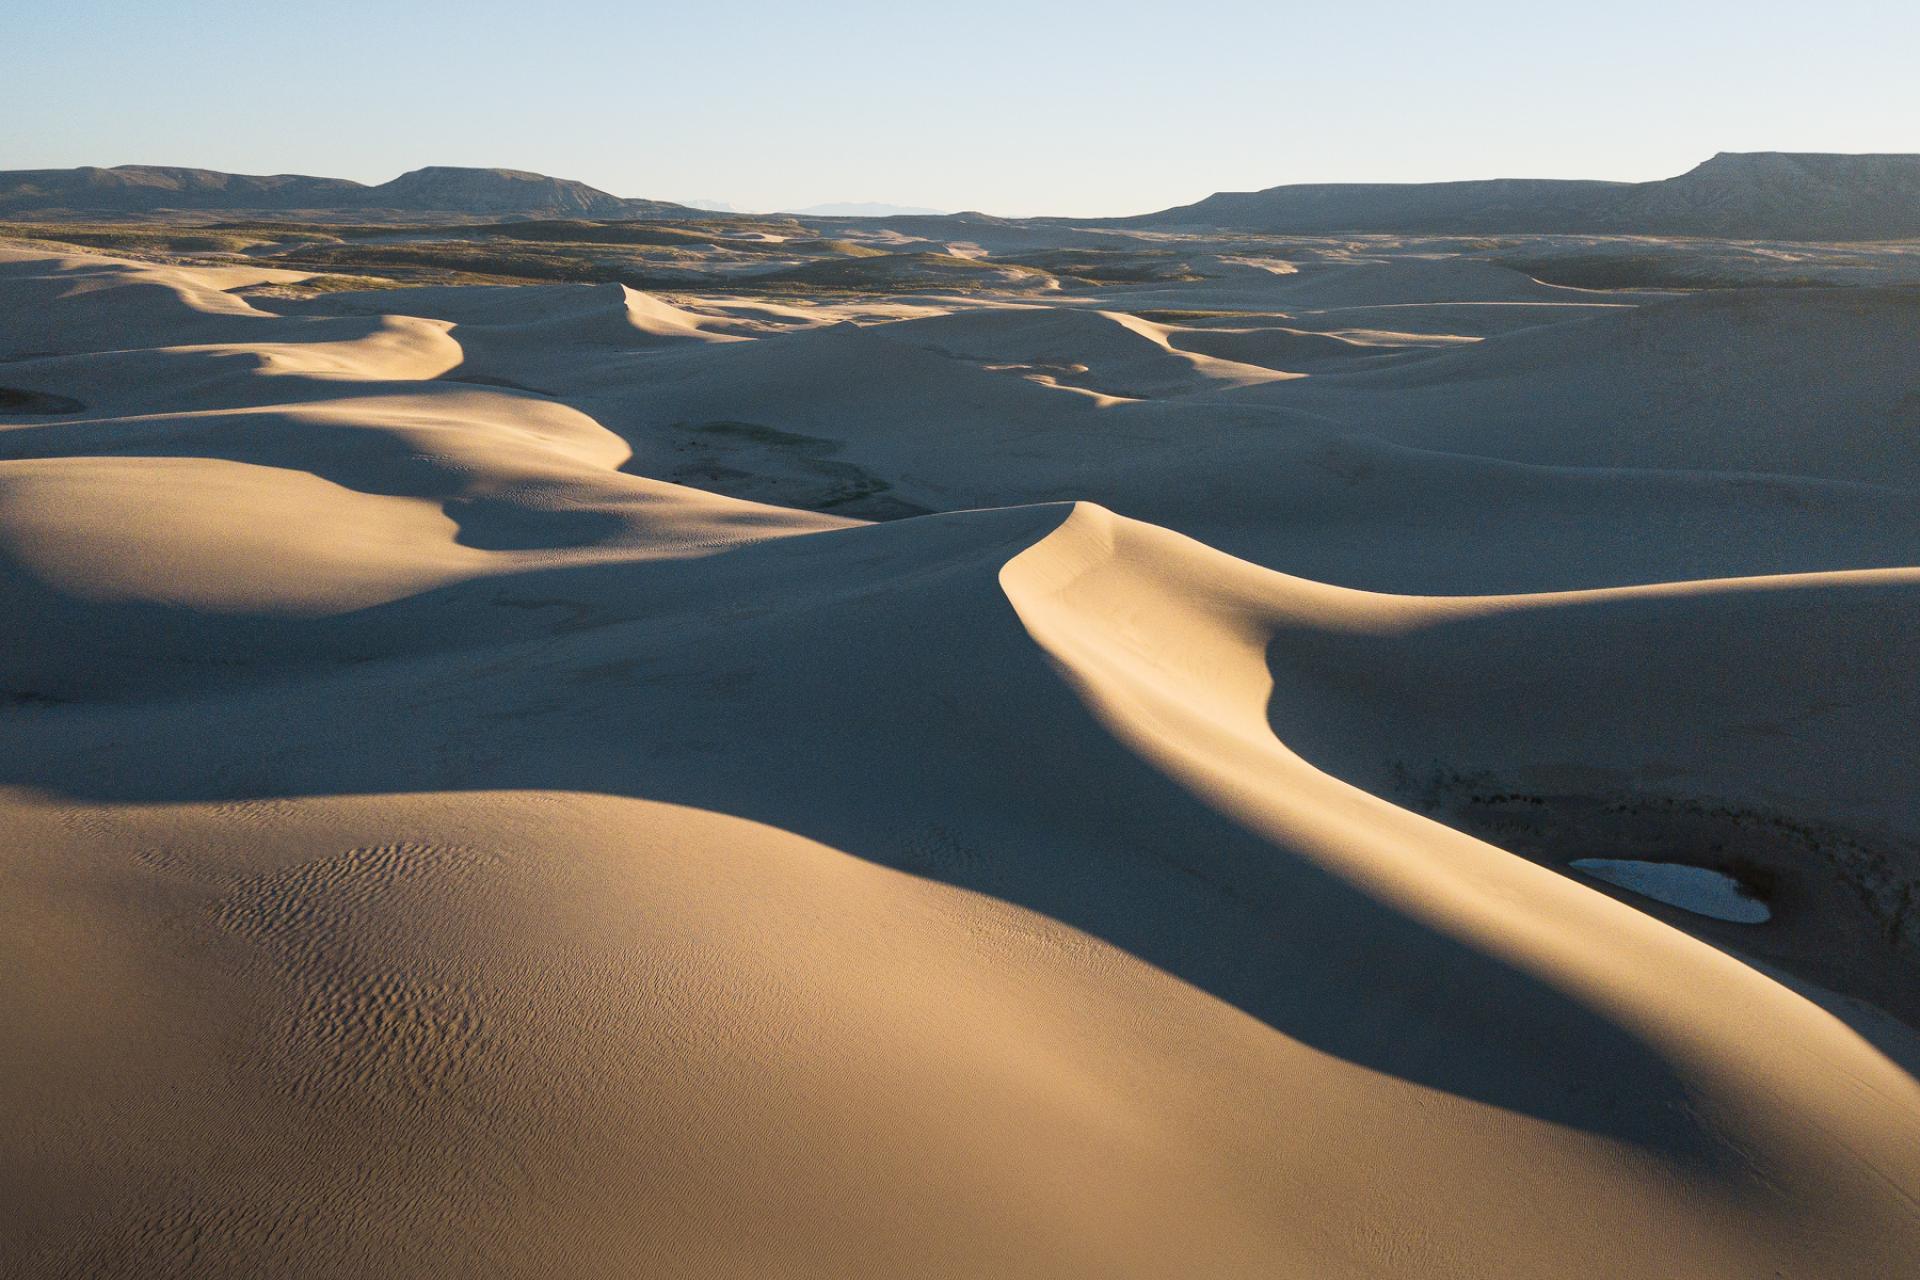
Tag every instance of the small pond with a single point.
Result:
(1697, 889)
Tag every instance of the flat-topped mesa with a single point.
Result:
(1831, 166)
(1542, 205)
(1751, 195)
(1788, 195)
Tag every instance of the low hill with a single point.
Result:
(438, 189)
(493, 191)
(140, 188)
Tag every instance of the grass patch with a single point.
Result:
(1109, 266)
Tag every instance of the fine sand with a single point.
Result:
(560, 781)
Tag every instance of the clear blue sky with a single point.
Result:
(1015, 108)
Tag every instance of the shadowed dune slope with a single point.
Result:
(1802, 382)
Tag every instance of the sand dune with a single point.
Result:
(1805, 382)
(462, 816)
(1118, 355)
(53, 307)
(1409, 280)
(1276, 346)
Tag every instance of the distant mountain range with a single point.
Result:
(1764, 195)
(841, 210)
(438, 189)
(868, 209)
(1753, 195)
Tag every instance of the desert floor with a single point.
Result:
(1053, 775)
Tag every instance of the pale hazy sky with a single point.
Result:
(1017, 108)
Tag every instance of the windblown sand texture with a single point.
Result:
(564, 781)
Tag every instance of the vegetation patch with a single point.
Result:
(1169, 315)
(14, 400)
(766, 464)
(1652, 271)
